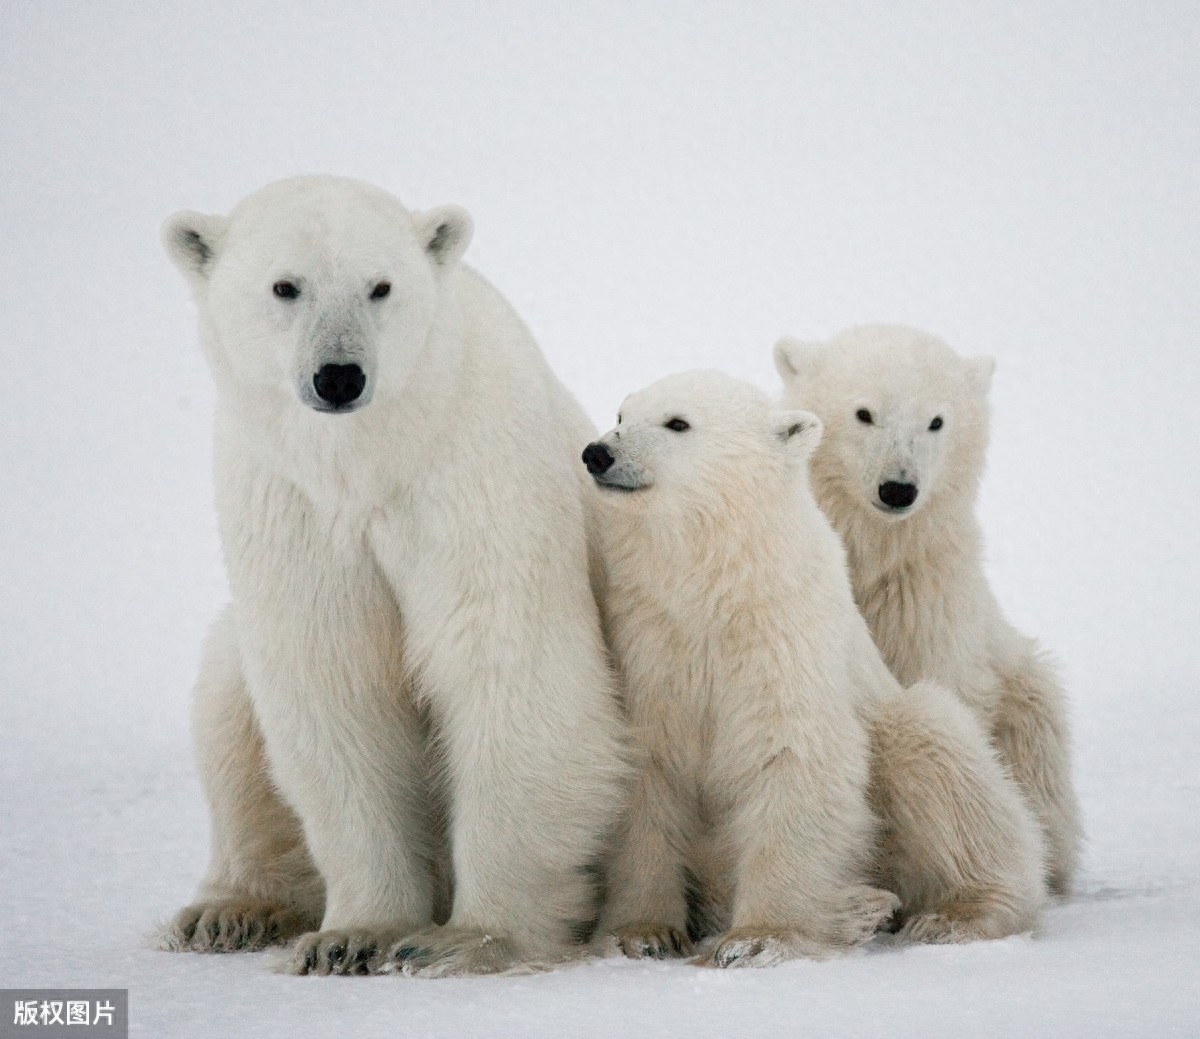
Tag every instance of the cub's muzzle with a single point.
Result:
(597, 458)
(897, 495)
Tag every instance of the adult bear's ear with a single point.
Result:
(192, 240)
(979, 371)
(798, 431)
(795, 359)
(445, 233)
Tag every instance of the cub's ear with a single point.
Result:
(445, 233)
(795, 359)
(798, 431)
(192, 239)
(979, 371)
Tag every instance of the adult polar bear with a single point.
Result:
(897, 473)
(412, 621)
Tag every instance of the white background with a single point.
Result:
(655, 186)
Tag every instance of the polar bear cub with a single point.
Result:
(406, 718)
(897, 472)
(754, 694)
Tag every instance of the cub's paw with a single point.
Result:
(232, 925)
(1061, 878)
(755, 947)
(336, 952)
(648, 941)
(861, 913)
(970, 916)
(949, 928)
(449, 952)
(866, 911)
(937, 929)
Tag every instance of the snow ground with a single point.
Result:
(655, 187)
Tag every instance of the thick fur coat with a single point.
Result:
(406, 724)
(897, 472)
(786, 783)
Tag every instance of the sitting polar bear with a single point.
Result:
(772, 738)
(897, 473)
(406, 717)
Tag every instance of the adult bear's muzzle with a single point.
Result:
(339, 384)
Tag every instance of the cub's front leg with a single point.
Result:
(321, 644)
(646, 911)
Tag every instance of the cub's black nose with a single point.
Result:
(339, 384)
(897, 495)
(597, 458)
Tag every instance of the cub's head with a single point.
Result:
(320, 288)
(702, 440)
(905, 417)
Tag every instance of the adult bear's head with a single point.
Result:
(324, 288)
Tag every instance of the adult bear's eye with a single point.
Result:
(285, 289)
(678, 425)
(936, 424)
(381, 290)
(863, 416)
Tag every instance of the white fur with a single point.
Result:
(918, 574)
(737, 680)
(413, 646)
(768, 726)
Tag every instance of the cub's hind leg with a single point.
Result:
(1030, 733)
(960, 847)
(803, 833)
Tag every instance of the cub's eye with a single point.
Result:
(678, 425)
(863, 416)
(618, 420)
(285, 289)
(936, 424)
(381, 290)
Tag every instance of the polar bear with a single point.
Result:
(772, 739)
(897, 472)
(406, 723)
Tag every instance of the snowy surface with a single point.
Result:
(656, 187)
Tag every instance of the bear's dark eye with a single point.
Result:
(936, 424)
(381, 290)
(863, 416)
(678, 425)
(618, 420)
(285, 289)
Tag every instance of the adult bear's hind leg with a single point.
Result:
(261, 887)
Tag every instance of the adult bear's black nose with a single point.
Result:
(339, 384)
(897, 495)
(597, 458)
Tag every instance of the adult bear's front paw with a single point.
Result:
(233, 925)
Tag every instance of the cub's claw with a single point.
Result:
(650, 941)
